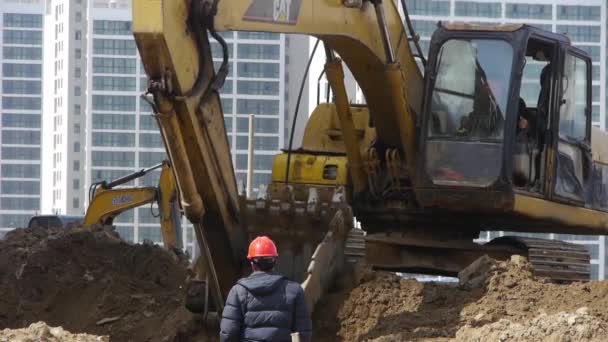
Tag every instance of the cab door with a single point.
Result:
(573, 152)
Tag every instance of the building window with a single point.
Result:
(78, 53)
(112, 27)
(77, 72)
(114, 83)
(259, 35)
(114, 139)
(261, 70)
(20, 171)
(76, 184)
(148, 159)
(29, 103)
(76, 202)
(121, 47)
(114, 158)
(478, 9)
(76, 166)
(22, 87)
(76, 128)
(258, 87)
(250, 106)
(258, 51)
(114, 121)
(77, 91)
(528, 11)
(426, 7)
(22, 70)
(22, 37)
(588, 13)
(20, 187)
(78, 35)
(20, 153)
(20, 120)
(103, 65)
(22, 20)
(77, 147)
(17, 203)
(114, 103)
(22, 53)
(76, 109)
(581, 33)
(78, 16)
(150, 140)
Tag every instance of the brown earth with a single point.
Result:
(93, 282)
(76, 279)
(506, 304)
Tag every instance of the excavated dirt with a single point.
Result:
(497, 301)
(78, 281)
(94, 282)
(41, 332)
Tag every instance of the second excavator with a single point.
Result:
(435, 156)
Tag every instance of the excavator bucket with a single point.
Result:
(310, 229)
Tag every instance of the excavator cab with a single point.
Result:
(507, 110)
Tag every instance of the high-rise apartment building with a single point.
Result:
(99, 129)
(63, 122)
(584, 21)
(22, 35)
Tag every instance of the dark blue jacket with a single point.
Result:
(265, 307)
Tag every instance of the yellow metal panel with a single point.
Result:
(308, 169)
(110, 203)
(537, 208)
(323, 132)
(335, 76)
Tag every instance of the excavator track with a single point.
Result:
(355, 246)
(556, 260)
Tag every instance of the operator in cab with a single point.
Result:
(265, 306)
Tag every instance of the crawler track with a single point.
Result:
(557, 260)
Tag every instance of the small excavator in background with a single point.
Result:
(433, 158)
(108, 200)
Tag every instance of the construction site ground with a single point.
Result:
(79, 285)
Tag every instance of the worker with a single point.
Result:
(265, 306)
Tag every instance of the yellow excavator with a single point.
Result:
(107, 200)
(436, 155)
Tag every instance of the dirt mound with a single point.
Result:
(94, 282)
(492, 297)
(559, 327)
(41, 332)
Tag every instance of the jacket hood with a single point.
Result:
(262, 283)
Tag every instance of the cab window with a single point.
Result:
(573, 113)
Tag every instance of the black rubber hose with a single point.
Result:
(295, 115)
(412, 32)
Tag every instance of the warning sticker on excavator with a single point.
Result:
(274, 11)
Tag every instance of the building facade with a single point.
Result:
(584, 21)
(22, 38)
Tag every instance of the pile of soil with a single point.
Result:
(41, 332)
(560, 327)
(495, 301)
(92, 281)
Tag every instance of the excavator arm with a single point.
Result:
(108, 202)
(173, 40)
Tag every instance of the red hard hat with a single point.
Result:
(261, 247)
